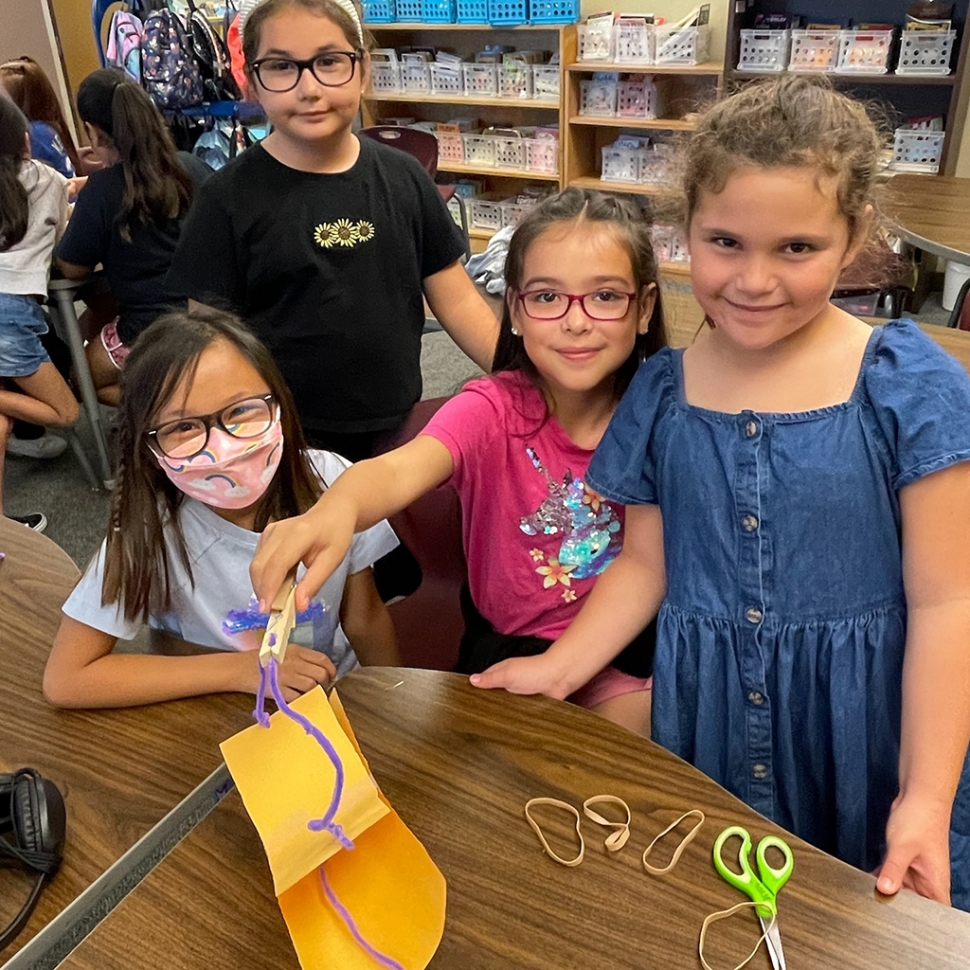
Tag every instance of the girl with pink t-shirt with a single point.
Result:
(582, 310)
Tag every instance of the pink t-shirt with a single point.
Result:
(535, 537)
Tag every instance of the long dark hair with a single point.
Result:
(32, 92)
(157, 188)
(632, 230)
(145, 503)
(14, 201)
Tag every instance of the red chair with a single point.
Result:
(423, 146)
(429, 623)
(960, 318)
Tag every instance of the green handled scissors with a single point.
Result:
(761, 890)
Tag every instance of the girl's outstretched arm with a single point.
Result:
(936, 682)
(464, 314)
(367, 623)
(624, 600)
(83, 672)
(363, 495)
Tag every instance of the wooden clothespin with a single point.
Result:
(282, 619)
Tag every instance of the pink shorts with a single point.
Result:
(117, 352)
(606, 685)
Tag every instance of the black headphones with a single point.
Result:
(33, 821)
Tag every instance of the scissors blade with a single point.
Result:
(773, 941)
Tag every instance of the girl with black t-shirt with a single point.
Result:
(327, 243)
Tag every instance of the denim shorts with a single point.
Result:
(22, 323)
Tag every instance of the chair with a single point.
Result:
(960, 317)
(429, 623)
(423, 146)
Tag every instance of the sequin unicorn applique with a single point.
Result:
(588, 525)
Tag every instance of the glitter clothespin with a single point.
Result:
(282, 619)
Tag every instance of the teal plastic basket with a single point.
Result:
(554, 11)
(378, 11)
(472, 12)
(438, 11)
(508, 13)
(408, 11)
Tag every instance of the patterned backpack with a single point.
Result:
(169, 70)
(212, 56)
(124, 44)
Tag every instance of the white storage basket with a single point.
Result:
(485, 214)
(480, 80)
(636, 99)
(479, 150)
(925, 51)
(385, 78)
(764, 50)
(594, 43)
(416, 78)
(513, 212)
(864, 51)
(446, 80)
(621, 164)
(509, 151)
(633, 43)
(542, 155)
(545, 82)
(597, 98)
(814, 51)
(451, 148)
(917, 150)
(681, 45)
(515, 82)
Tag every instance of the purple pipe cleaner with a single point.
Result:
(384, 961)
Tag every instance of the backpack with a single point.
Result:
(212, 56)
(124, 44)
(169, 70)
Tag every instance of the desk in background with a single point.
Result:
(932, 214)
(458, 764)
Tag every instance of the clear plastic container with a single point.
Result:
(416, 78)
(542, 155)
(485, 214)
(509, 151)
(385, 78)
(681, 45)
(636, 99)
(814, 51)
(545, 82)
(594, 43)
(479, 150)
(515, 82)
(451, 148)
(925, 52)
(446, 80)
(621, 164)
(480, 80)
(515, 210)
(597, 98)
(917, 150)
(764, 50)
(864, 51)
(633, 43)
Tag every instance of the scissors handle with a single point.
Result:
(746, 880)
(773, 878)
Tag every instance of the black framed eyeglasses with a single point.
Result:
(332, 69)
(185, 438)
(605, 304)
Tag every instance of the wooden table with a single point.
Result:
(121, 771)
(932, 214)
(458, 765)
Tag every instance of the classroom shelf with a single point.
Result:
(936, 80)
(509, 173)
(413, 25)
(406, 97)
(708, 69)
(664, 124)
(595, 182)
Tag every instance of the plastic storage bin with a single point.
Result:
(451, 148)
(508, 12)
(385, 78)
(438, 11)
(683, 45)
(621, 164)
(509, 151)
(377, 11)
(514, 211)
(917, 150)
(408, 10)
(446, 80)
(480, 80)
(416, 77)
(764, 50)
(594, 43)
(542, 155)
(814, 50)
(864, 51)
(553, 11)
(636, 99)
(545, 82)
(654, 167)
(597, 98)
(485, 214)
(471, 12)
(515, 82)
(925, 51)
(479, 150)
(633, 43)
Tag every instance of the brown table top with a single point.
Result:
(932, 213)
(120, 771)
(458, 765)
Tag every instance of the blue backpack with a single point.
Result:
(169, 70)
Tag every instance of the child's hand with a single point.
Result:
(319, 539)
(523, 675)
(918, 850)
(74, 186)
(301, 671)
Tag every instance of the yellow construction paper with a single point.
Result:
(286, 779)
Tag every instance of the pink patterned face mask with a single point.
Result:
(231, 473)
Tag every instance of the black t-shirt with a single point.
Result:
(328, 270)
(136, 270)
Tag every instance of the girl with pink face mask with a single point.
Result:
(211, 452)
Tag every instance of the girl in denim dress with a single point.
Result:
(797, 486)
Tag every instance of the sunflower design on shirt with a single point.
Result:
(345, 233)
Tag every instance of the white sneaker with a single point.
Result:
(46, 446)
(34, 520)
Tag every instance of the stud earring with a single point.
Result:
(515, 332)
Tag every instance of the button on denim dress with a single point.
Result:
(780, 642)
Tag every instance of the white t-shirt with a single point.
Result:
(219, 554)
(25, 268)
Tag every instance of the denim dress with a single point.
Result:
(780, 641)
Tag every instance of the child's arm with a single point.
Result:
(367, 623)
(363, 495)
(623, 601)
(83, 672)
(465, 316)
(936, 682)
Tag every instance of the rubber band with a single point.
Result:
(688, 838)
(538, 831)
(621, 834)
(727, 914)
